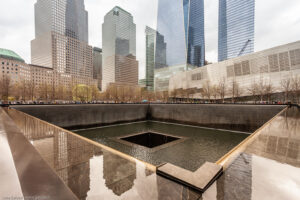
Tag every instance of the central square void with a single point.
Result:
(150, 139)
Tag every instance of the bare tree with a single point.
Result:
(95, 92)
(44, 89)
(296, 88)
(261, 89)
(112, 93)
(253, 90)
(16, 91)
(235, 91)
(22, 88)
(286, 87)
(174, 94)
(270, 89)
(61, 93)
(5, 84)
(222, 88)
(207, 90)
(215, 92)
(31, 89)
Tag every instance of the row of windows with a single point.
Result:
(285, 61)
(8, 72)
(11, 68)
(199, 76)
(12, 64)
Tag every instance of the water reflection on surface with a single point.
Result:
(92, 172)
(269, 168)
(195, 146)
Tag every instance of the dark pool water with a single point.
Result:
(195, 146)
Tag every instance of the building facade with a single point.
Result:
(269, 67)
(20, 79)
(13, 66)
(119, 48)
(181, 25)
(236, 28)
(181, 22)
(151, 56)
(61, 37)
(97, 65)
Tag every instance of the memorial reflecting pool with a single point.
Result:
(189, 149)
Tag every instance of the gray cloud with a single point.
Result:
(277, 22)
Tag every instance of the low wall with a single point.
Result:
(232, 117)
(246, 118)
(76, 116)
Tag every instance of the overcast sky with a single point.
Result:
(277, 22)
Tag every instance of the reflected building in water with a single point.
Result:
(119, 49)
(119, 173)
(181, 23)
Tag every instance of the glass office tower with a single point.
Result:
(154, 59)
(61, 37)
(236, 28)
(119, 49)
(181, 22)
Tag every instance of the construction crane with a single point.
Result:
(244, 47)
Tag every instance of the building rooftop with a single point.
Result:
(8, 54)
(97, 49)
(116, 8)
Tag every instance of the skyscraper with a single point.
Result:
(181, 22)
(236, 28)
(119, 48)
(61, 37)
(154, 59)
(97, 65)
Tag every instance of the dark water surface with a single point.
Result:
(195, 146)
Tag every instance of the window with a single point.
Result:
(230, 71)
(238, 69)
(273, 62)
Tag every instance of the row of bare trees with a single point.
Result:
(131, 94)
(260, 90)
(28, 90)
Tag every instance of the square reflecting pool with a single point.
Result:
(157, 142)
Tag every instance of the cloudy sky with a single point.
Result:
(277, 22)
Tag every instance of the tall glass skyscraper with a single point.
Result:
(236, 28)
(61, 37)
(181, 22)
(119, 48)
(154, 59)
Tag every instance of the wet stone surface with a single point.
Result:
(268, 168)
(92, 172)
